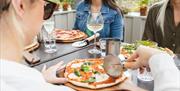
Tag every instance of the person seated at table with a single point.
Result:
(164, 71)
(113, 18)
(20, 22)
(163, 25)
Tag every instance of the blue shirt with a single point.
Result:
(113, 21)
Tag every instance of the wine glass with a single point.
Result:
(144, 76)
(102, 44)
(49, 40)
(95, 23)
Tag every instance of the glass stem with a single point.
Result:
(50, 39)
(95, 41)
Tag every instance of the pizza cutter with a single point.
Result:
(85, 42)
(113, 66)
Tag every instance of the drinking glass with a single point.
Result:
(145, 76)
(102, 43)
(95, 23)
(49, 40)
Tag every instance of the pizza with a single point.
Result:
(68, 35)
(89, 73)
(128, 49)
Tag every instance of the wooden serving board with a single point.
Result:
(112, 88)
(32, 47)
(122, 86)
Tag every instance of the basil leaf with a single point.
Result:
(85, 68)
(88, 63)
(95, 72)
(90, 80)
(77, 73)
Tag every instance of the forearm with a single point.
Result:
(165, 73)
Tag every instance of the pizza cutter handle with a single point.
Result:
(93, 37)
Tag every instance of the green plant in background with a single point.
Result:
(60, 1)
(68, 1)
(144, 2)
(56, 1)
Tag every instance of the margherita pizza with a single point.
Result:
(69, 35)
(89, 73)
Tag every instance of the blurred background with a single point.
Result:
(135, 12)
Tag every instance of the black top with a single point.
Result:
(153, 31)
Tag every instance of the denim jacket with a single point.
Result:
(113, 21)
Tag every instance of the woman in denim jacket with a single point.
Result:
(113, 18)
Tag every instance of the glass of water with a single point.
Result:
(102, 44)
(49, 40)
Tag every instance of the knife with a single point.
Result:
(85, 42)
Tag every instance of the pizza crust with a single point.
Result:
(86, 85)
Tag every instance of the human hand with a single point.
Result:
(140, 58)
(50, 73)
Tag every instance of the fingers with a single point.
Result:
(44, 68)
(133, 57)
(60, 71)
(59, 64)
(131, 65)
(141, 70)
(61, 67)
(60, 80)
(148, 69)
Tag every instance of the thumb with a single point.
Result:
(132, 57)
(131, 65)
(60, 80)
(58, 64)
(44, 68)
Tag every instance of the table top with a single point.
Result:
(68, 53)
(63, 49)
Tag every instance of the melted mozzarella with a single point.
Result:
(73, 76)
(76, 65)
(100, 67)
(101, 77)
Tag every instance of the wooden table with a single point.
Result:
(67, 53)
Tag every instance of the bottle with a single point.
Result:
(89, 33)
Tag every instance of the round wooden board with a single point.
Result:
(112, 88)
(32, 47)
